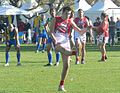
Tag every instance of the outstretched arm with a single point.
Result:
(76, 28)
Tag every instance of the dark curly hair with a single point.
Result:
(67, 8)
(104, 14)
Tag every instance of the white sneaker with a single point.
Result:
(61, 88)
(77, 63)
(51, 64)
(6, 65)
(36, 51)
(57, 63)
(43, 51)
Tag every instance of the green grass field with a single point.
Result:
(33, 77)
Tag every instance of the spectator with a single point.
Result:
(21, 30)
(118, 24)
(89, 34)
(96, 24)
(28, 31)
(111, 31)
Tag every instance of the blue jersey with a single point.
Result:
(42, 28)
(11, 38)
(11, 35)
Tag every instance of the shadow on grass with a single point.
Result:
(23, 48)
(31, 47)
(43, 61)
(108, 48)
(26, 62)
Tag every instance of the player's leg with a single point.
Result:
(78, 48)
(45, 36)
(104, 56)
(83, 52)
(38, 44)
(44, 44)
(66, 65)
(103, 52)
(7, 55)
(113, 41)
(57, 58)
(18, 55)
(49, 54)
(59, 48)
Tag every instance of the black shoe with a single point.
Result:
(56, 64)
(19, 64)
(48, 64)
(82, 61)
(105, 57)
(36, 51)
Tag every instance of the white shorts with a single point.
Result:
(63, 39)
(81, 38)
(101, 39)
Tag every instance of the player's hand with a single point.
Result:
(89, 27)
(18, 45)
(83, 31)
(55, 42)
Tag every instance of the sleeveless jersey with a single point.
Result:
(81, 23)
(42, 23)
(36, 21)
(11, 35)
(62, 26)
(103, 28)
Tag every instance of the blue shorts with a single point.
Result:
(49, 40)
(40, 35)
(12, 42)
(44, 34)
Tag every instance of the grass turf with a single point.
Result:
(34, 77)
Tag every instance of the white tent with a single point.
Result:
(7, 9)
(11, 10)
(81, 4)
(28, 4)
(102, 6)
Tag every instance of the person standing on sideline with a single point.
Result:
(50, 44)
(12, 38)
(43, 32)
(28, 31)
(117, 27)
(96, 24)
(60, 29)
(118, 24)
(111, 31)
(89, 34)
(38, 32)
(103, 35)
(21, 30)
(80, 40)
